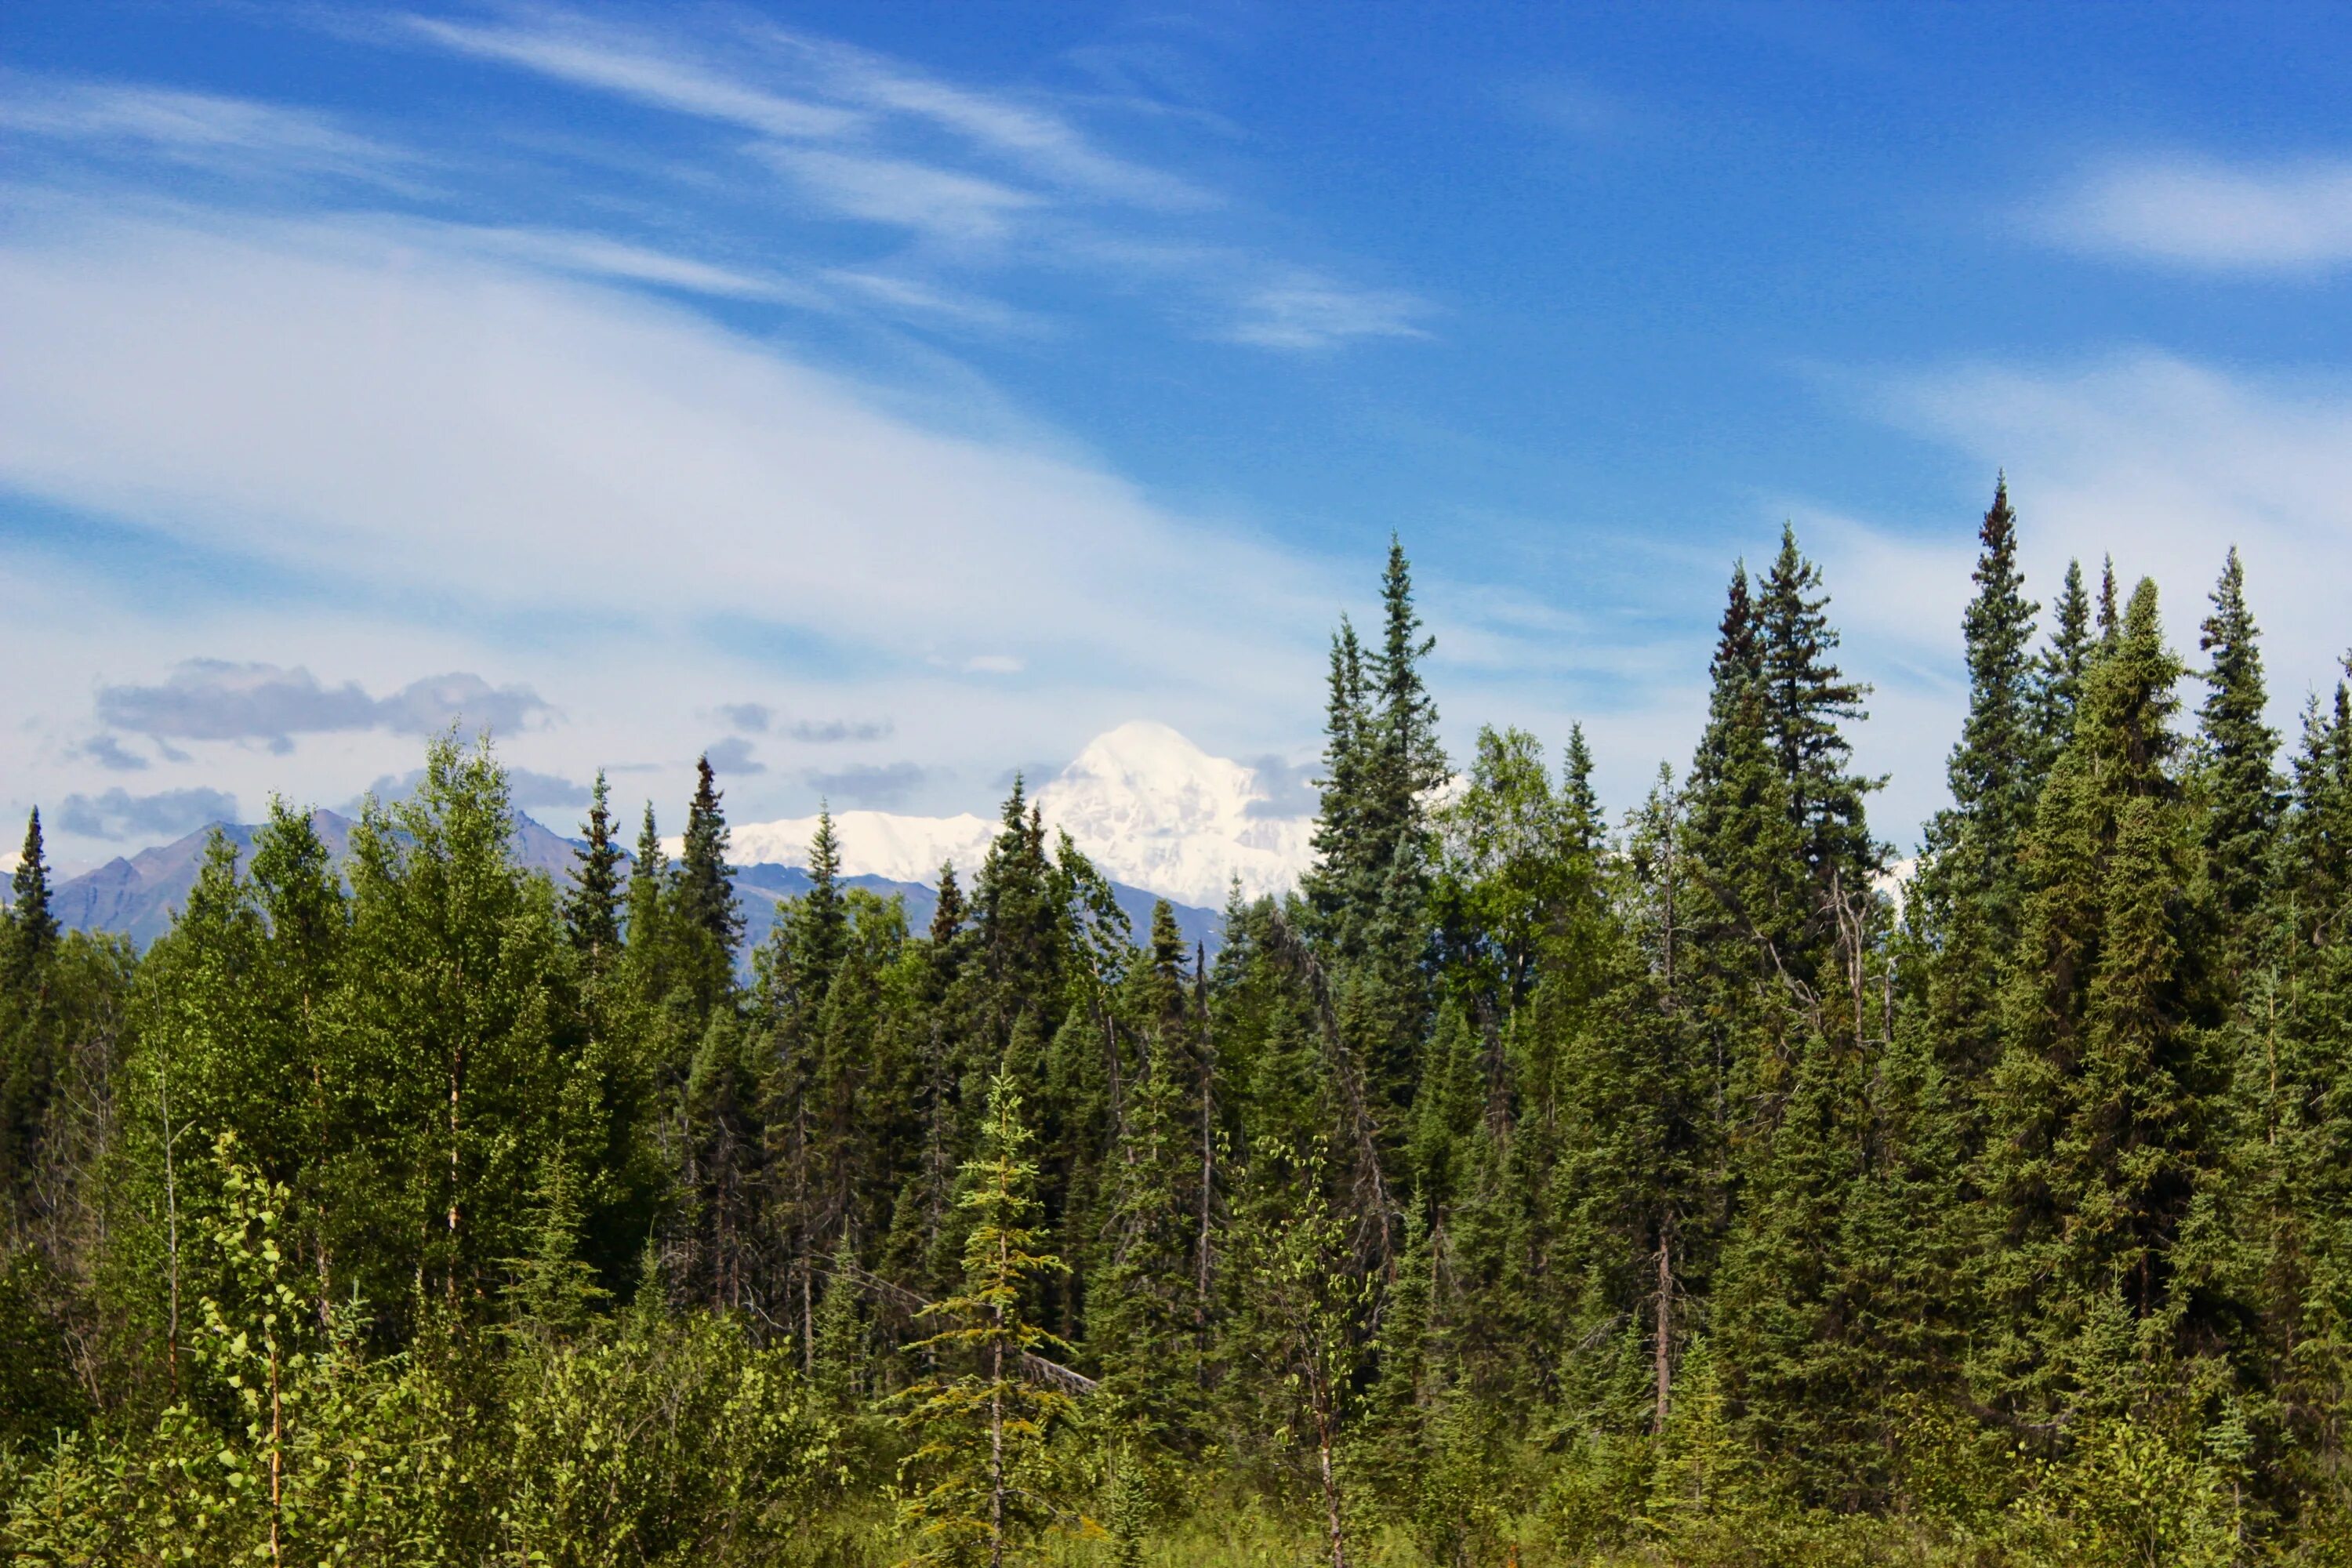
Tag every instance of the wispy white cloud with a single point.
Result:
(594, 255)
(913, 296)
(1044, 143)
(1300, 310)
(573, 48)
(2206, 213)
(990, 177)
(931, 201)
(230, 133)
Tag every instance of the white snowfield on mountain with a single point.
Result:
(1148, 807)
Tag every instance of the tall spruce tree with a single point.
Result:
(821, 920)
(1806, 699)
(1741, 829)
(2237, 751)
(1580, 805)
(649, 876)
(1381, 757)
(1991, 769)
(706, 884)
(980, 1491)
(1966, 894)
(1342, 884)
(2099, 1134)
(32, 924)
(1408, 760)
(1734, 673)
(28, 1048)
(2058, 669)
(592, 906)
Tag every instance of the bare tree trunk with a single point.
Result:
(1332, 1520)
(1665, 1326)
(808, 1235)
(996, 1428)
(172, 1232)
(1671, 870)
(319, 1118)
(276, 1451)
(457, 1094)
(1208, 1192)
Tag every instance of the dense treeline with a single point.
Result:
(1528, 1187)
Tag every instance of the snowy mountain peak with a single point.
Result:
(1145, 778)
(1146, 805)
(873, 842)
(1152, 808)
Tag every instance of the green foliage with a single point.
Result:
(1524, 1191)
(592, 908)
(981, 1485)
(661, 1439)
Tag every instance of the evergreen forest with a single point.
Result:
(1536, 1184)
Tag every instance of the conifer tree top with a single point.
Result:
(36, 925)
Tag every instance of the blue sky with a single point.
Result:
(895, 396)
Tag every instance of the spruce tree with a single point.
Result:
(2237, 748)
(821, 923)
(2099, 1109)
(1742, 831)
(1580, 806)
(1339, 885)
(649, 879)
(1381, 757)
(1408, 759)
(706, 884)
(948, 914)
(1733, 673)
(32, 926)
(1140, 1308)
(29, 1051)
(592, 906)
(1789, 1314)
(2291, 1218)
(2058, 671)
(1966, 894)
(1991, 769)
(981, 1431)
(1020, 922)
(1806, 697)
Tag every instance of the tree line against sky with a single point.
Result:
(1527, 1186)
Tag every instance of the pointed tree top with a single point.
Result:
(36, 926)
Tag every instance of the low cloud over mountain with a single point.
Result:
(217, 700)
(118, 813)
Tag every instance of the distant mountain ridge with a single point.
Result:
(137, 896)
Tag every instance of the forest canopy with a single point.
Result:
(1534, 1185)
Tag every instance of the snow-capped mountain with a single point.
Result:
(1147, 805)
(872, 844)
(1151, 808)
